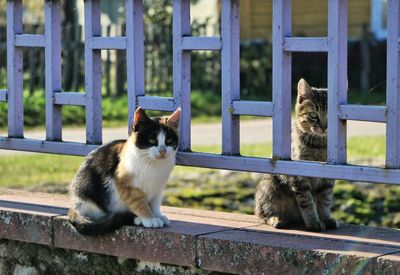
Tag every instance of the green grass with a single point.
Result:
(368, 147)
(18, 171)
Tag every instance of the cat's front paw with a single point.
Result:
(164, 219)
(317, 226)
(331, 223)
(149, 222)
(276, 222)
(137, 221)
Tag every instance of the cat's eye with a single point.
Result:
(313, 115)
(152, 141)
(168, 141)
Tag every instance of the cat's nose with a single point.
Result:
(162, 150)
(323, 129)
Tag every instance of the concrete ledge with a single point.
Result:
(207, 240)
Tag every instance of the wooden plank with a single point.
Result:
(305, 44)
(281, 80)
(108, 43)
(181, 69)
(29, 40)
(230, 75)
(156, 103)
(289, 167)
(15, 80)
(393, 86)
(201, 43)
(93, 82)
(252, 108)
(362, 113)
(69, 98)
(43, 146)
(337, 80)
(134, 56)
(53, 68)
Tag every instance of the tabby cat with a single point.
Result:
(122, 182)
(282, 200)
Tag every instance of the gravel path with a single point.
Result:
(252, 131)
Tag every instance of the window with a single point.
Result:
(379, 18)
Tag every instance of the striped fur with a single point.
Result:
(282, 200)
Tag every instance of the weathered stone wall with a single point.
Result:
(36, 238)
(20, 258)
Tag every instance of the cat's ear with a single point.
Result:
(303, 90)
(173, 120)
(139, 117)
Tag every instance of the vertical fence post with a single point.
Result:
(93, 82)
(134, 55)
(281, 79)
(230, 73)
(181, 69)
(337, 79)
(393, 85)
(53, 68)
(15, 80)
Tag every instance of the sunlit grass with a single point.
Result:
(37, 169)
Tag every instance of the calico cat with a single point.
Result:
(282, 200)
(122, 182)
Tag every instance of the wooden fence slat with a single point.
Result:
(305, 44)
(181, 69)
(93, 82)
(393, 86)
(69, 98)
(362, 113)
(252, 108)
(289, 167)
(281, 79)
(337, 79)
(156, 103)
(30, 40)
(53, 68)
(201, 43)
(15, 80)
(134, 55)
(230, 75)
(108, 43)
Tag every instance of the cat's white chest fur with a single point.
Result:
(152, 178)
(149, 175)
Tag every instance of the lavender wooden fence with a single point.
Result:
(335, 44)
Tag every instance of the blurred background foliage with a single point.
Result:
(255, 62)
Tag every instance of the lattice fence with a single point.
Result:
(335, 44)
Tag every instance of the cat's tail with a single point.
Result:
(107, 224)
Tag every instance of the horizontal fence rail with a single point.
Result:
(284, 44)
